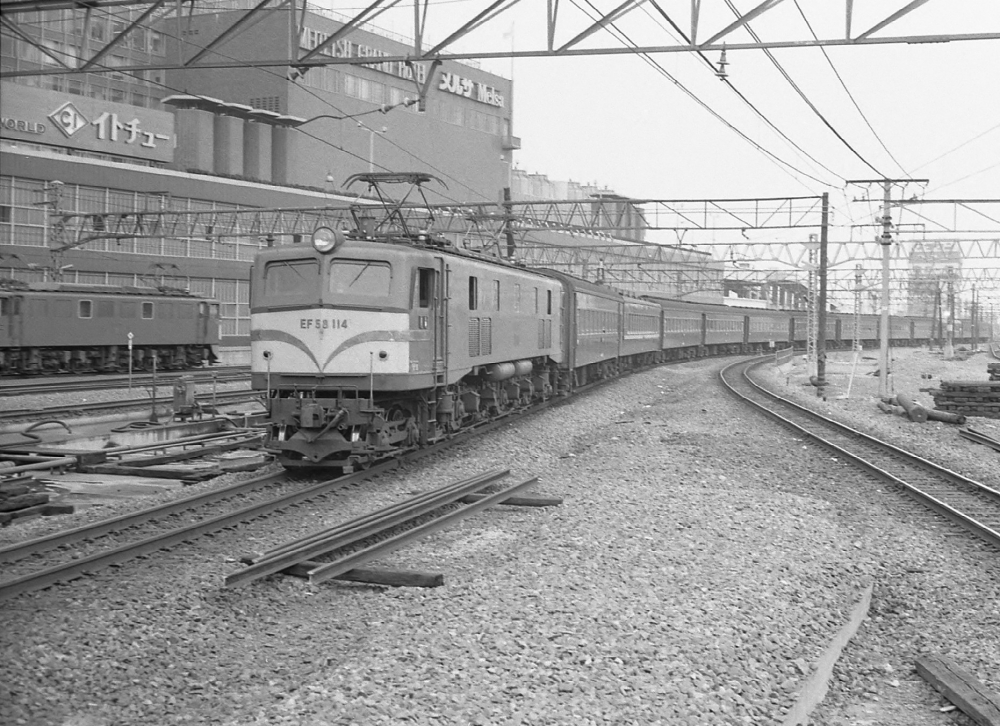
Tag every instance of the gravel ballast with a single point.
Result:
(699, 566)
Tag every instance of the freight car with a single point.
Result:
(51, 327)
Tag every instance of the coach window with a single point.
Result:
(147, 311)
(86, 309)
(473, 293)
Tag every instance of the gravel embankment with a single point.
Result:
(697, 569)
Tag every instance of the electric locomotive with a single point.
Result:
(369, 345)
(55, 327)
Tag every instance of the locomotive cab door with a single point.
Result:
(433, 316)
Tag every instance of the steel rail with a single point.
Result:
(990, 532)
(70, 382)
(204, 398)
(358, 529)
(14, 552)
(356, 559)
(980, 438)
(100, 560)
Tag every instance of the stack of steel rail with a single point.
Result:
(354, 536)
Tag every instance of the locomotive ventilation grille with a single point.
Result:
(480, 336)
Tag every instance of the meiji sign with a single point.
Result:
(60, 119)
(454, 83)
(343, 48)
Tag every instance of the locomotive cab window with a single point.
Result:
(291, 280)
(425, 287)
(147, 311)
(360, 278)
(86, 309)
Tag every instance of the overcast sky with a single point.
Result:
(908, 110)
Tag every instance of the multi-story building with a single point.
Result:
(225, 139)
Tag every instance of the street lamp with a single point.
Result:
(371, 144)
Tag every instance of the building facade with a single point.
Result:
(108, 142)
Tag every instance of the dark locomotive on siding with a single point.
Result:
(369, 345)
(53, 327)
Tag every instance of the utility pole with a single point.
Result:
(886, 241)
(58, 229)
(974, 323)
(824, 238)
(949, 349)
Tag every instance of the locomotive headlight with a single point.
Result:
(325, 239)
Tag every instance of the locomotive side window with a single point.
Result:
(517, 298)
(425, 282)
(548, 302)
(360, 278)
(473, 293)
(4, 306)
(86, 309)
(147, 311)
(496, 294)
(536, 301)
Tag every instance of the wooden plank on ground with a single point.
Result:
(517, 501)
(961, 688)
(392, 578)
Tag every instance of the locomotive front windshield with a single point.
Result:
(360, 281)
(291, 281)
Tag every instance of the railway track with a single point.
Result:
(962, 500)
(39, 563)
(29, 566)
(75, 383)
(48, 412)
(29, 576)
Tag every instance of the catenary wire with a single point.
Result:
(847, 90)
(802, 94)
(666, 74)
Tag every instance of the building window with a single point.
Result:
(86, 309)
(266, 103)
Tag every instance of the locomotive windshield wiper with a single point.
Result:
(367, 265)
(293, 268)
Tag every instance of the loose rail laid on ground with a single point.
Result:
(354, 532)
